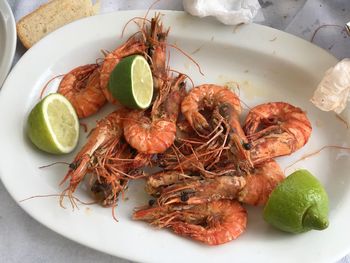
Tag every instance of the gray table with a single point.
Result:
(22, 239)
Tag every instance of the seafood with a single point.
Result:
(260, 183)
(202, 191)
(253, 188)
(276, 129)
(106, 156)
(210, 97)
(157, 51)
(156, 182)
(134, 45)
(211, 164)
(112, 171)
(156, 133)
(191, 152)
(212, 223)
(150, 43)
(226, 108)
(81, 86)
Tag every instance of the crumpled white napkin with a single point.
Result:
(333, 91)
(229, 12)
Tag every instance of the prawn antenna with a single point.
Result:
(186, 55)
(133, 20)
(317, 152)
(187, 76)
(43, 90)
(52, 164)
(57, 195)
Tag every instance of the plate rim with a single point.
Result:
(52, 35)
(11, 39)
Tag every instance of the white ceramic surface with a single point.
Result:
(7, 39)
(268, 64)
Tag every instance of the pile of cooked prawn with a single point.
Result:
(211, 164)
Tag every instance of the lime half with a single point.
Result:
(131, 82)
(53, 125)
(298, 204)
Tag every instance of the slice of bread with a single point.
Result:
(50, 16)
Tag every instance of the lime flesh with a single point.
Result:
(53, 125)
(131, 82)
(298, 204)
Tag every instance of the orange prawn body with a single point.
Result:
(157, 133)
(254, 188)
(202, 191)
(158, 181)
(210, 96)
(148, 136)
(225, 105)
(260, 183)
(81, 86)
(212, 223)
(276, 129)
(157, 51)
(107, 132)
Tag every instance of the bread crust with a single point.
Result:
(50, 16)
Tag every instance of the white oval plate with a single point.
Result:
(269, 65)
(7, 39)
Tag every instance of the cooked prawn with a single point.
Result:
(253, 188)
(212, 223)
(209, 97)
(156, 133)
(114, 166)
(202, 191)
(225, 107)
(157, 51)
(105, 137)
(81, 86)
(276, 129)
(156, 182)
(260, 183)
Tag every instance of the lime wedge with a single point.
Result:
(131, 82)
(53, 125)
(298, 204)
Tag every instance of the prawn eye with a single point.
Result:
(247, 146)
(151, 202)
(184, 196)
(73, 166)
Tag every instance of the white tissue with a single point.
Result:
(229, 12)
(333, 91)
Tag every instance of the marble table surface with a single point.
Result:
(22, 239)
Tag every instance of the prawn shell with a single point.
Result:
(225, 221)
(81, 86)
(149, 137)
